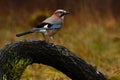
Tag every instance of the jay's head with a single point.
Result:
(61, 12)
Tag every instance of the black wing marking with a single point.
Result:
(42, 25)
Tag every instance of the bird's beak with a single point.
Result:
(67, 12)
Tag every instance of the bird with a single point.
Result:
(50, 26)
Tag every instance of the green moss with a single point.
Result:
(14, 66)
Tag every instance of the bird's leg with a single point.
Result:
(51, 37)
(52, 40)
(44, 37)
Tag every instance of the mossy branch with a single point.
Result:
(16, 56)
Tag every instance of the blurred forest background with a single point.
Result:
(92, 31)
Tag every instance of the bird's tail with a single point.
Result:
(23, 33)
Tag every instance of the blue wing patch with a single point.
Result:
(55, 27)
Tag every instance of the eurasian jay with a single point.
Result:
(49, 26)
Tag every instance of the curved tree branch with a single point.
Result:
(16, 56)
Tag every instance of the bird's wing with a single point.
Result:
(43, 25)
(47, 26)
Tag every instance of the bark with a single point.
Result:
(16, 56)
